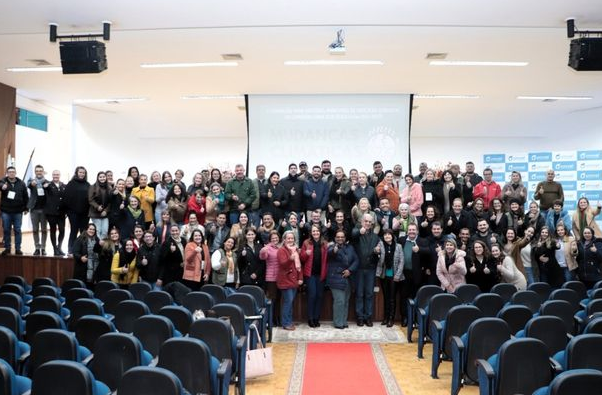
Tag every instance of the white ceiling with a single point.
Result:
(266, 33)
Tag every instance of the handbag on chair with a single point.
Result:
(259, 361)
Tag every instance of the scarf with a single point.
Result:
(135, 213)
(178, 243)
(92, 262)
(389, 254)
(230, 261)
(582, 221)
(292, 250)
(125, 258)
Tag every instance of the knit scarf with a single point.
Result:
(135, 213)
(292, 250)
(230, 261)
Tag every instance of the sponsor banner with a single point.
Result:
(589, 155)
(496, 168)
(589, 185)
(540, 156)
(564, 166)
(565, 176)
(592, 196)
(493, 158)
(584, 165)
(590, 175)
(540, 166)
(564, 156)
(520, 167)
(570, 195)
(518, 158)
(499, 178)
(537, 176)
(570, 205)
(568, 185)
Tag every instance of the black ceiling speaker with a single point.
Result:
(585, 54)
(83, 57)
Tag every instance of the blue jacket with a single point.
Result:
(344, 259)
(564, 217)
(321, 188)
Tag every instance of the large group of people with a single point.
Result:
(314, 228)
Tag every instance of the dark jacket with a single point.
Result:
(296, 202)
(249, 264)
(321, 189)
(435, 189)
(455, 192)
(483, 280)
(307, 257)
(420, 260)
(590, 263)
(150, 271)
(364, 248)
(80, 248)
(54, 199)
(463, 221)
(344, 259)
(170, 268)
(279, 194)
(368, 192)
(116, 213)
(99, 195)
(76, 196)
(19, 203)
(36, 202)
(550, 271)
(126, 228)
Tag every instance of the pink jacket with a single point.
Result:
(269, 254)
(454, 276)
(414, 198)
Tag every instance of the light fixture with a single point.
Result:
(33, 69)
(211, 97)
(554, 97)
(110, 100)
(476, 63)
(447, 96)
(333, 63)
(187, 64)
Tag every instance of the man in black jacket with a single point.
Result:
(366, 244)
(13, 206)
(294, 188)
(416, 254)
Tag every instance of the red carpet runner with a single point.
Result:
(346, 369)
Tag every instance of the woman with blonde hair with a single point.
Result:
(585, 216)
(566, 255)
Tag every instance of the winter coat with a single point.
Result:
(381, 268)
(150, 271)
(170, 269)
(99, 196)
(434, 190)
(268, 204)
(288, 275)
(18, 203)
(510, 274)
(483, 280)
(453, 276)
(76, 196)
(193, 265)
(54, 199)
(563, 216)
(307, 256)
(344, 259)
(295, 202)
(321, 189)
(391, 193)
(269, 254)
(245, 191)
(493, 191)
(414, 198)
(590, 263)
(249, 263)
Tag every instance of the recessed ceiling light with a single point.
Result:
(110, 100)
(476, 63)
(333, 63)
(33, 69)
(447, 96)
(549, 98)
(211, 97)
(188, 64)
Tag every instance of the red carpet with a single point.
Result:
(346, 369)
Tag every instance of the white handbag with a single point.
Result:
(259, 361)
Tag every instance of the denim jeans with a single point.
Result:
(568, 275)
(286, 314)
(39, 224)
(12, 221)
(234, 214)
(315, 293)
(102, 227)
(364, 293)
(340, 306)
(530, 277)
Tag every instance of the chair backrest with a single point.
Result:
(217, 335)
(9, 347)
(256, 291)
(576, 286)
(76, 293)
(13, 289)
(71, 283)
(467, 292)
(114, 354)
(584, 351)
(139, 290)
(550, 330)
(179, 316)
(531, 299)
(14, 279)
(190, 360)
(577, 381)
(82, 307)
(569, 295)
(594, 326)
(62, 378)
(52, 344)
(45, 290)
(484, 338)
(543, 290)
(39, 321)
(157, 299)
(439, 305)
(90, 327)
(561, 309)
(523, 367)
(12, 301)
(489, 303)
(144, 381)
(425, 293)
(235, 314)
(113, 297)
(198, 301)
(246, 302)
(505, 290)
(45, 303)
(594, 306)
(127, 312)
(152, 331)
(457, 321)
(42, 281)
(11, 319)
(516, 316)
(8, 379)
(217, 291)
(102, 287)
(596, 293)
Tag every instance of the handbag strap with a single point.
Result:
(259, 342)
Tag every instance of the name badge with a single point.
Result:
(429, 196)
(11, 195)
(402, 234)
(40, 191)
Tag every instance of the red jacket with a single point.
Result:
(307, 259)
(288, 276)
(493, 191)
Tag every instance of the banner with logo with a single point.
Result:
(579, 172)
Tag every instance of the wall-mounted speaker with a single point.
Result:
(83, 57)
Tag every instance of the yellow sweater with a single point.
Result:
(116, 272)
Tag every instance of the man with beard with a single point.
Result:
(37, 201)
(470, 180)
(484, 234)
(456, 219)
(378, 175)
(316, 193)
(260, 183)
(416, 254)
(294, 188)
(422, 168)
(398, 180)
(436, 243)
(327, 175)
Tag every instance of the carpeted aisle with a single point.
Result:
(341, 368)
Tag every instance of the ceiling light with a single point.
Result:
(110, 100)
(33, 69)
(189, 64)
(554, 97)
(447, 97)
(476, 63)
(333, 63)
(211, 97)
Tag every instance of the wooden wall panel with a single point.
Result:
(31, 267)
(8, 120)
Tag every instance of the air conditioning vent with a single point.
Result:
(436, 55)
(232, 56)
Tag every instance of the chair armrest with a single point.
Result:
(486, 368)
(87, 360)
(421, 311)
(458, 343)
(437, 325)
(24, 357)
(412, 303)
(579, 320)
(556, 367)
(225, 366)
(253, 317)
(241, 343)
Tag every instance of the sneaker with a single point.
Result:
(18, 252)
(36, 252)
(289, 328)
